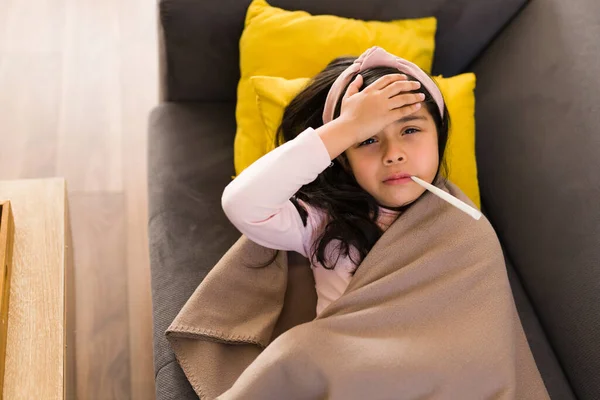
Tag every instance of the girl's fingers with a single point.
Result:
(384, 81)
(402, 112)
(405, 99)
(354, 86)
(398, 87)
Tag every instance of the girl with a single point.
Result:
(340, 176)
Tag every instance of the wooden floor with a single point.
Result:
(77, 81)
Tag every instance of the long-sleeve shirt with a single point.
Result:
(257, 202)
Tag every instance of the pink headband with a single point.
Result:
(378, 57)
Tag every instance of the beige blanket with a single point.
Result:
(428, 315)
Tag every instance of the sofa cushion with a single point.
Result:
(550, 369)
(538, 153)
(190, 163)
(200, 52)
(189, 166)
(171, 384)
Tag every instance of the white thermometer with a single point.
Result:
(461, 205)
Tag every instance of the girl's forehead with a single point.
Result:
(422, 115)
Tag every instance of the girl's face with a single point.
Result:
(408, 146)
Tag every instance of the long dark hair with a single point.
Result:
(352, 211)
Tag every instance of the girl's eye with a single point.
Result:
(410, 131)
(365, 142)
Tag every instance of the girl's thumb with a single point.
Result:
(354, 86)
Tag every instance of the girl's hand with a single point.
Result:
(378, 105)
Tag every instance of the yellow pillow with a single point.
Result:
(273, 94)
(295, 44)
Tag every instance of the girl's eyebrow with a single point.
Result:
(409, 118)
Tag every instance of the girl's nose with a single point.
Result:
(391, 160)
(394, 152)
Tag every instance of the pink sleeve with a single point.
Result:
(257, 201)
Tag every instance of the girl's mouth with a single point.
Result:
(397, 178)
(398, 181)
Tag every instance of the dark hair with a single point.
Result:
(353, 212)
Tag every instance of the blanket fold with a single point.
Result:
(428, 315)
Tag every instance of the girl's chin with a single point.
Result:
(396, 203)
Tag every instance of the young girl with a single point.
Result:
(340, 176)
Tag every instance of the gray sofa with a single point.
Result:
(538, 154)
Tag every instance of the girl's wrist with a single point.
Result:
(337, 135)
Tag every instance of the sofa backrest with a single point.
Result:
(538, 158)
(200, 39)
